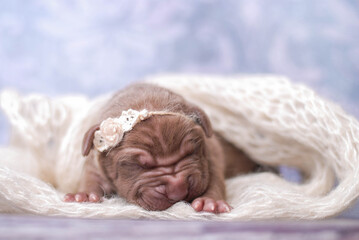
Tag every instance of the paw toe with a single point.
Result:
(197, 204)
(94, 198)
(223, 207)
(69, 197)
(210, 205)
(81, 197)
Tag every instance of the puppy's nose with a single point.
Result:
(176, 188)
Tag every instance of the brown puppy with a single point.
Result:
(163, 159)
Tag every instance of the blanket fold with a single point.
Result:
(273, 120)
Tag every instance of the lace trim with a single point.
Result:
(112, 130)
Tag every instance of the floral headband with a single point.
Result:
(112, 129)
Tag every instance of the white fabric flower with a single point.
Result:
(109, 135)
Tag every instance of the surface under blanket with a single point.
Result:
(35, 227)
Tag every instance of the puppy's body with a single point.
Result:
(163, 159)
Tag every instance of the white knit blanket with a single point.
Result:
(271, 119)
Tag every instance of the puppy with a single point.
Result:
(169, 155)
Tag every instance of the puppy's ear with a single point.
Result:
(200, 117)
(87, 142)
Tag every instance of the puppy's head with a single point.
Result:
(161, 161)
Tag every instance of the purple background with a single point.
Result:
(92, 47)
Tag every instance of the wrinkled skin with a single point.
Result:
(162, 160)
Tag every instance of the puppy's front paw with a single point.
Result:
(207, 204)
(82, 197)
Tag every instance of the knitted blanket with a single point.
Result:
(274, 121)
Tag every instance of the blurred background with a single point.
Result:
(92, 46)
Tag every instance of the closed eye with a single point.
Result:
(187, 163)
(189, 154)
(190, 149)
(193, 154)
(130, 165)
(146, 166)
(134, 165)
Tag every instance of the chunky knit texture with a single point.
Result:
(271, 119)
